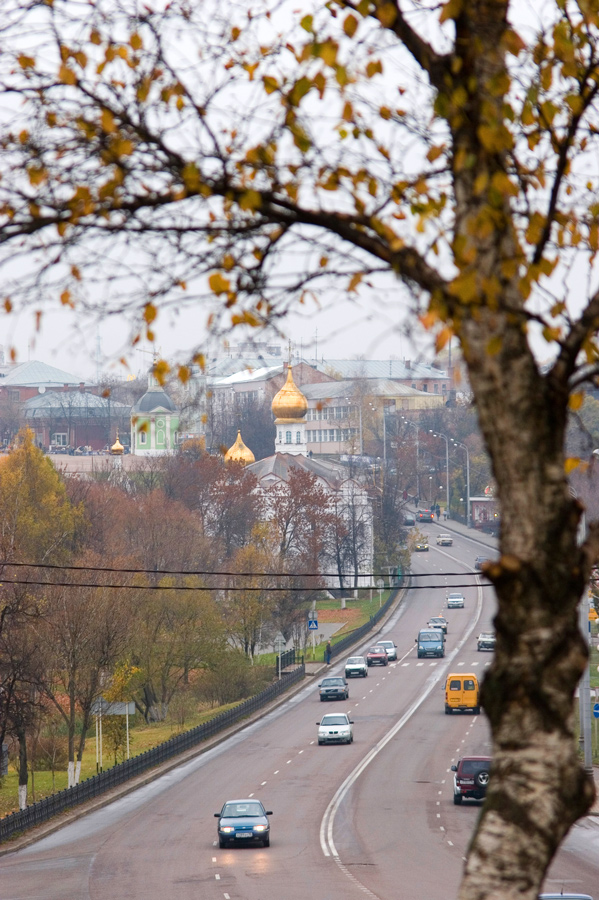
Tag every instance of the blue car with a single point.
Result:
(243, 822)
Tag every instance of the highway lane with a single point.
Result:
(395, 831)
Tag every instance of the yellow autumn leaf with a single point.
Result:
(107, 122)
(250, 200)
(571, 463)
(65, 299)
(576, 400)
(184, 374)
(350, 25)
(136, 41)
(66, 75)
(451, 10)
(355, 281)
(150, 313)
(218, 283)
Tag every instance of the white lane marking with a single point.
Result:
(433, 664)
(301, 751)
(311, 742)
(474, 664)
(217, 877)
(419, 664)
(404, 664)
(438, 803)
(276, 773)
(250, 795)
(460, 664)
(438, 815)
(450, 843)
(443, 781)
(327, 823)
(226, 896)
(262, 783)
(288, 761)
(356, 704)
(214, 857)
(441, 828)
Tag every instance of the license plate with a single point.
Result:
(244, 834)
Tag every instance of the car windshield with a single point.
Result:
(355, 661)
(241, 810)
(334, 720)
(387, 644)
(426, 636)
(329, 682)
(472, 766)
(377, 650)
(436, 621)
(455, 597)
(485, 636)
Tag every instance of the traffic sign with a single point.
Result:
(596, 710)
(312, 624)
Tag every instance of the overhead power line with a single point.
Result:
(206, 573)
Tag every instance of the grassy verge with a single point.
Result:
(142, 737)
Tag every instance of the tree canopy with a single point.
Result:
(246, 161)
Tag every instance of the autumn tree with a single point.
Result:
(447, 152)
(38, 525)
(250, 602)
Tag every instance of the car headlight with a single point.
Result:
(227, 829)
(260, 827)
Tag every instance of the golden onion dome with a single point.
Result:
(239, 452)
(289, 403)
(117, 448)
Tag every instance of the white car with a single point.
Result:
(335, 728)
(390, 647)
(445, 540)
(455, 600)
(356, 666)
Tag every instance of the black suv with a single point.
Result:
(471, 778)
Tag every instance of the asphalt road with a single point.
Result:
(373, 819)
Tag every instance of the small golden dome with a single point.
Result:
(289, 403)
(239, 452)
(117, 448)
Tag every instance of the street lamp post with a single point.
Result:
(360, 421)
(459, 444)
(438, 434)
(414, 425)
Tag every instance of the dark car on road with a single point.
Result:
(481, 561)
(377, 656)
(243, 822)
(334, 688)
(471, 778)
(425, 515)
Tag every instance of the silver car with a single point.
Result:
(335, 728)
(390, 647)
(455, 600)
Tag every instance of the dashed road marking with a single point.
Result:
(262, 783)
(450, 843)
(433, 664)
(276, 773)
(214, 857)
(404, 664)
(217, 877)
(460, 664)
(250, 795)
(419, 664)
(288, 761)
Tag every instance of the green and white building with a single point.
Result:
(154, 422)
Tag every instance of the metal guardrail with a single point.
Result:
(92, 787)
(363, 630)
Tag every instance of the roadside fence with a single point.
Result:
(358, 633)
(45, 809)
